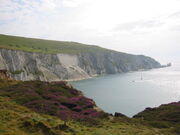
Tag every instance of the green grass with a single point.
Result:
(13, 118)
(164, 117)
(18, 120)
(45, 46)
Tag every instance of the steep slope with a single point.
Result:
(55, 98)
(17, 119)
(165, 112)
(36, 59)
(164, 116)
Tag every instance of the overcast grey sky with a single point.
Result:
(149, 27)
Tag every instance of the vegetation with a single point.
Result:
(33, 108)
(164, 116)
(54, 98)
(18, 120)
(45, 46)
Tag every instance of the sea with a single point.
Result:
(130, 93)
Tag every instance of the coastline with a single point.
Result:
(121, 87)
(79, 79)
(99, 75)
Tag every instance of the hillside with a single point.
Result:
(164, 116)
(18, 120)
(19, 115)
(46, 46)
(56, 98)
(45, 60)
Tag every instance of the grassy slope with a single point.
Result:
(164, 116)
(13, 117)
(16, 119)
(45, 46)
(55, 98)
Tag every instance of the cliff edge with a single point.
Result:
(57, 60)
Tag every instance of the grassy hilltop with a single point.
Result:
(45, 46)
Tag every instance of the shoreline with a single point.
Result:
(79, 79)
(81, 85)
(99, 75)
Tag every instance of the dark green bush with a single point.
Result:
(159, 124)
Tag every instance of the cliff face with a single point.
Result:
(4, 74)
(54, 67)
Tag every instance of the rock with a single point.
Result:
(55, 67)
(119, 115)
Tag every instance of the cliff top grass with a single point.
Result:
(46, 46)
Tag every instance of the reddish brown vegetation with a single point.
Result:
(55, 98)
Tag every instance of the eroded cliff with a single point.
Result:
(54, 67)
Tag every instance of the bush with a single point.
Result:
(159, 124)
(23, 100)
(177, 129)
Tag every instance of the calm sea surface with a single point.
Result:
(128, 94)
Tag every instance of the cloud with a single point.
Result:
(174, 15)
(175, 28)
(70, 3)
(73, 3)
(138, 26)
(28, 11)
(27, 18)
(163, 22)
(115, 24)
(173, 21)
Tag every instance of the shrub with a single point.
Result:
(159, 124)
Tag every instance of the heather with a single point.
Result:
(53, 98)
(55, 108)
(164, 116)
(19, 120)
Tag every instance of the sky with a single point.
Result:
(148, 27)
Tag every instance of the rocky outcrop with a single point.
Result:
(54, 67)
(117, 114)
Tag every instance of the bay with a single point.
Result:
(130, 93)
